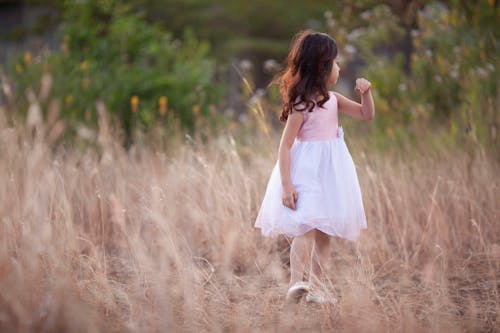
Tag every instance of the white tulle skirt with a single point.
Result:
(329, 196)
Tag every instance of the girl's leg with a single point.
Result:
(319, 257)
(299, 255)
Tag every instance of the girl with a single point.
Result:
(313, 192)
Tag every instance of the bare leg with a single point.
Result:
(299, 256)
(319, 257)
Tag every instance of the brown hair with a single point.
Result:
(308, 67)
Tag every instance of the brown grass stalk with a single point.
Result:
(147, 240)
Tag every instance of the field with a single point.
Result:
(97, 238)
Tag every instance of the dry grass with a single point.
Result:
(149, 240)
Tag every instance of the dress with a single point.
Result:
(324, 176)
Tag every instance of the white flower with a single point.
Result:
(481, 72)
(270, 65)
(260, 92)
(366, 15)
(353, 35)
(257, 96)
(350, 49)
(246, 65)
(243, 118)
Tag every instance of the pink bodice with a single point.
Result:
(321, 123)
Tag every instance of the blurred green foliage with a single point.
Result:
(447, 78)
(110, 53)
(433, 64)
(237, 28)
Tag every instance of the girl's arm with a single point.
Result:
(363, 111)
(292, 127)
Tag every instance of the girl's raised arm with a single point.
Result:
(363, 111)
(292, 127)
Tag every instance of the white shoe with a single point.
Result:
(295, 292)
(321, 299)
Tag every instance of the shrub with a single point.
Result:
(433, 66)
(136, 68)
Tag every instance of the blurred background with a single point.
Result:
(433, 64)
(137, 139)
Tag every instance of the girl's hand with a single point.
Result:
(362, 85)
(289, 197)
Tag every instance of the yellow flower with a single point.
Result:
(19, 69)
(27, 58)
(69, 100)
(453, 19)
(64, 45)
(440, 61)
(196, 109)
(85, 83)
(163, 103)
(65, 48)
(134, 103)
(84, 65)
(444, 17)
(390, 133)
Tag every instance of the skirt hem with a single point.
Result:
(304, 228)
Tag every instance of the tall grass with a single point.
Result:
(102, 239)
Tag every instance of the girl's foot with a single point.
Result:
(295, 292)
(320, 298)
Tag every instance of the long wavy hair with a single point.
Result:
(308, 68)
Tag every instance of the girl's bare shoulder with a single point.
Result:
(336, 94)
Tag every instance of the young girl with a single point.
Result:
(313, 192)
